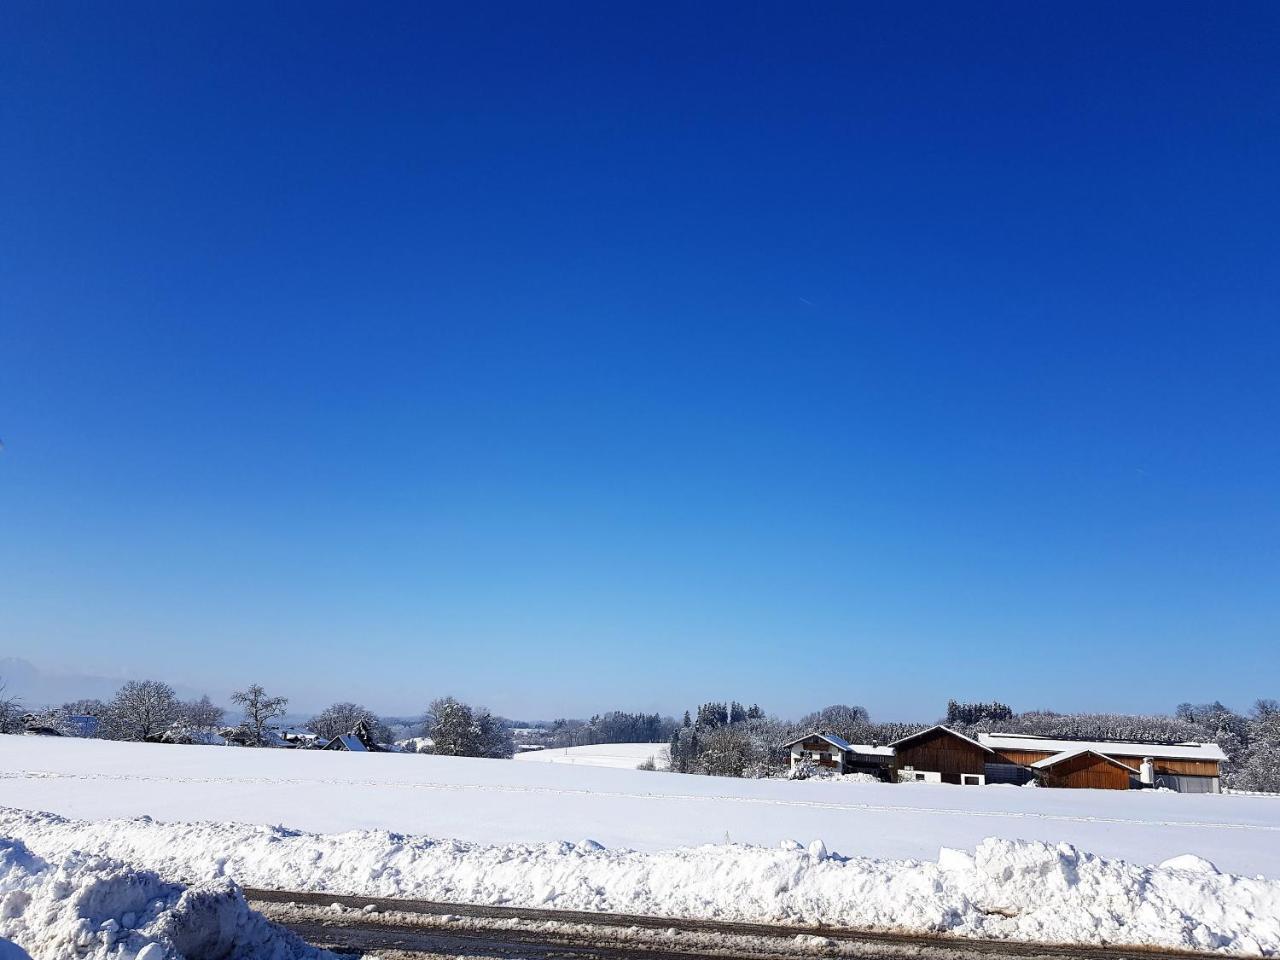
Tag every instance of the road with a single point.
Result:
(420, 928)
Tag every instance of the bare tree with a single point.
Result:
(342, 718)
(143, 710)
(203, 714)
(10, 712)
(259, 711)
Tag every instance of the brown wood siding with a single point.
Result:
(1087, 771)
(942, 752)
(1024, 757)
(1198, 768)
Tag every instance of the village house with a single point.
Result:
(837, 755)
(942, 755)
(359, 740)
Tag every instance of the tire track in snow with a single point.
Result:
(623, 795)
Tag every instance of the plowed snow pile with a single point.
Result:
(87, 906)
(1005, 888)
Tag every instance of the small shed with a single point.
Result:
(1084, 768)
(940, 755)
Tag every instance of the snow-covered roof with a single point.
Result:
(838, 742)
(872, 749)
(1058, 758)
(1163, 751)
(938, 726)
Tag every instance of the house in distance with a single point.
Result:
(359, 740)
(836, 754)
(942, 755)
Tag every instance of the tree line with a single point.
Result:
(151, 711)
(718, 738)
(616, 726)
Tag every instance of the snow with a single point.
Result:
(530, 799)
(622, 756)
(1179, 751)
(82, 905)
(1176, 870)
(842, 744)
(1002, 889)
(525, 800)
(415, 744)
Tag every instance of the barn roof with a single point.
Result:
(1163, 751)
(934, 729)
(1050, 762)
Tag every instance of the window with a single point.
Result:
(969, 780)
(920, 778)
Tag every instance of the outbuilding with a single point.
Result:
(940, 755)
(1084, 769)
(1186, 767)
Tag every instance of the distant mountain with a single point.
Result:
(37, 688)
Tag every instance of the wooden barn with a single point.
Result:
(1185, 767)
(1084, 768)
(940, 755)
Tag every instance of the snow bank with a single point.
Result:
(87, 906)
(1004, 889)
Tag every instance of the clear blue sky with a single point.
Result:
(567, 357)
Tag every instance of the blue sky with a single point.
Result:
(569, 357)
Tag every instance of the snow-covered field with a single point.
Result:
(622, 756)
(583, 837)
(504, 801)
